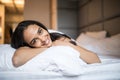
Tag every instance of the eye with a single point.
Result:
(33, 41)
(39, 31)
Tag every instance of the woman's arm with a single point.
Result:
(24, 54)
(86, 55)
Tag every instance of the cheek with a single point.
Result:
(37, 44)
(50, 44)
(46, 33)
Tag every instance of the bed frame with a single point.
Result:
(111, 25)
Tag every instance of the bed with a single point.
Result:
(53, 68)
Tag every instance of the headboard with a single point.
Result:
(111, 25)
(97, 15)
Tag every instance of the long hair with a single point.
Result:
(17, 39)
(56, 36)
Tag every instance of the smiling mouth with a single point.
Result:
(47, 42)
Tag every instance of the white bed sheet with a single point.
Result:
(107, 70)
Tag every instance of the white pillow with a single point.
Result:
(6, 53)
(97, 34)
(109, 47)
(52, 31)
(83, 39)
(60, 59)
(105, 47)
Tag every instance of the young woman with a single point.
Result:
(31, 37)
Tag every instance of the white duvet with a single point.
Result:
(60, 59)
(108, 70)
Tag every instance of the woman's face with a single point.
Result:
(36, 36)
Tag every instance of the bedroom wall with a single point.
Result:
(38, 10)
(68, 17)
(96, 15)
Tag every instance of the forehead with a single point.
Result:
(30, 32)
(32, 26)
(31, 29)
